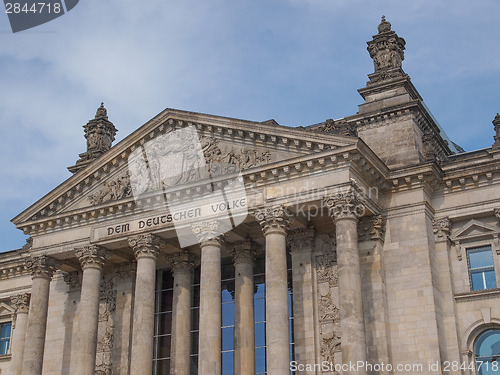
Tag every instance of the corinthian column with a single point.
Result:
(244, 335)
(21, 304)
(275, 222)
(42, 268)
(345, 209)
(182, 265)
(146, 248)
(209, 357)
(92, 259)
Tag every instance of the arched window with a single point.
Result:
(487, 352)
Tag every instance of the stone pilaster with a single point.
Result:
(442, 228)
(275, 224)
(21, 306)
(146, 248)
(209, 358)
(182, 265)
(42, 268)
(244, 335)
(301, 246)
(92, 259)
(346, 208)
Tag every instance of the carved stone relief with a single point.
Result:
(219, 160)
(329, 315)
(105, 335)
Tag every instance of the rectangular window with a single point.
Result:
(5, 329)
(163, 322)
(481, 269)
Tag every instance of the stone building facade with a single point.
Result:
(210, 245)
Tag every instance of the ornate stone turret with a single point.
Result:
(496, 124)
(386, 50)
(100, 134)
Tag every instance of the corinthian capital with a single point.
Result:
(345, 205)
(209, 233)
(145, 245)
(243, 252)
(441, 228)
(21, 302)
(182, 262)
(42, 266)
(274, 219)
(92, 256)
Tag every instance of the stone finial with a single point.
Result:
(100, 134)
(92, 256)
(345, 205)
(274, 219)
(21, 302)
(496, 124)
(42, 266)
(386, 50)
(145, 245)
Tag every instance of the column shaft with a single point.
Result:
(209, 360)
(244, 335)
(88, 316)
(181, 321)
(351, 301)
(37, 322)
(277, 333)
(143, 321)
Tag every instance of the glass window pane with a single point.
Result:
(489, 277)
(260, 361)
(228, 314)
(5, 329)
(165, 326)
(488, 343)
(227, 296)
(477, 281)
(4, 346)
(259, 310)
(480, 258)
(260, 335)
(194, 342)
(195, 316)
(164, 346)
(227, 363)
(167, 280)
(228, 338)
(163, 367)
(166, 300)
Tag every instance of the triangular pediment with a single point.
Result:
(475, 229)
(5, 309)
(230, 142)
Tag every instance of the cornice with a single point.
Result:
(478, 295)
(301, 140)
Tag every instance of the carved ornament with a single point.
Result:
(42, 266)
(274, 219)
(182, 262)
(208, 233)
(371, 228)
(21, 302)
(243, 252)
(92, 256)
(441, 228)
(345, 205)
(145, 245)
(301, 239)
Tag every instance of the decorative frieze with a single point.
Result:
(92, 256)
(42, 266)
(274, 219)
(145, 245)
(21, 302)
(345, 205)
(115, 189)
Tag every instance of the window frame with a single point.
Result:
(473, 248)
(3, 320)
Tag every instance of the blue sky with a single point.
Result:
(297, 61)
